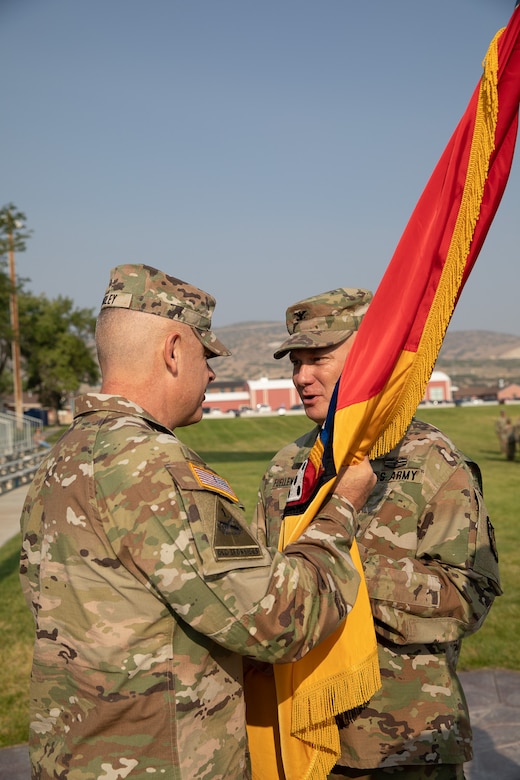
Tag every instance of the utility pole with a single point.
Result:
(12, 239)
(15, 343)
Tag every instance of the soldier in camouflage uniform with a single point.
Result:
(508, 435)
(429, 558)
(145, 583)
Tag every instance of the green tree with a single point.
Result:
(55, 339)
(57, 347)
(13, 233)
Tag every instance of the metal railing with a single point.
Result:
(20, 454)
(17, 435)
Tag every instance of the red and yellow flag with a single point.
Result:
(384, 379)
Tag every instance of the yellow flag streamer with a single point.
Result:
(292, 727)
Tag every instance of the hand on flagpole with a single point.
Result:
(355, 483)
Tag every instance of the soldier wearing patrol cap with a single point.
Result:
(146, 585)
(324, 320)
(145, 289)
(429, 559)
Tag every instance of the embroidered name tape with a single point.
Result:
(119, 300)
(399, 475)
(211, 481)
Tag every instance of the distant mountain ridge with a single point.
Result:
(469, 356)
(480, 345)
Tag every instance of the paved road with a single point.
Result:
(10, 509)
(493, 697)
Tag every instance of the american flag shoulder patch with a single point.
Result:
(209, 480)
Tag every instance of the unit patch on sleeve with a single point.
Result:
(231, 539)
(492, 540)
(211, 481)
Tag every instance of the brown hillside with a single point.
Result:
(480, 357)
(252, 345)
(469, 357)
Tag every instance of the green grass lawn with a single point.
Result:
(240, 448)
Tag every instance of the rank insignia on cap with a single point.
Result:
(211, 481)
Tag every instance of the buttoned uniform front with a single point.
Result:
(431, 569)
(147, 588)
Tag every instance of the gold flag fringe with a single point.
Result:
(441, 310)
(314, 715)
(313, 718)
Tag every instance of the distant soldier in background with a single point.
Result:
(507, 434)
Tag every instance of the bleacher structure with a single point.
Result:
(19, 455)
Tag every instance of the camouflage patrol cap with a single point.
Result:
(325, 319)
(143, 288)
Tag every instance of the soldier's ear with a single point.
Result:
(171, 349)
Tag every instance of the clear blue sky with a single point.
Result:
(264, 150)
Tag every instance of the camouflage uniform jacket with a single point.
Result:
(431, 568)
(146, 585)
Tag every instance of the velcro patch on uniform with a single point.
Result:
(492, 540)
(399, 475)
(231, 540)
(210, 481)
(119, 300)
